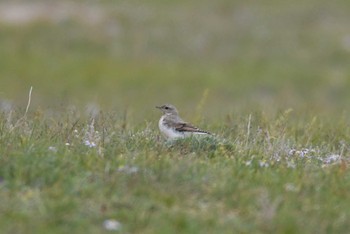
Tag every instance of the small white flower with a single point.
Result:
(91, 137)
(291, 152)
(90, 144)
(333, 158)
(53, 149)
(112, 225)
(263, 164)
(248, 163)
(67, 144)
(128, 169)
(302, 153)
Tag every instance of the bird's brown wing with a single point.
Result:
(186, 127)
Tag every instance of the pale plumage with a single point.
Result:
(172, 126)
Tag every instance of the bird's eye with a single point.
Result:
(167, 108)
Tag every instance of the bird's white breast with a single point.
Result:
(170, 133)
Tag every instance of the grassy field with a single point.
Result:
(270, 79)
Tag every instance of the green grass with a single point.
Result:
(269, 79)
(256, 183)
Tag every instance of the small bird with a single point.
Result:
(173, 127)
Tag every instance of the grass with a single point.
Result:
(276, 179)
(270, 80)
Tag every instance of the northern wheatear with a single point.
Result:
(173, 127)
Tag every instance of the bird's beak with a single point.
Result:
(159, 107)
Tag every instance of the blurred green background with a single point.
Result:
(233, 56)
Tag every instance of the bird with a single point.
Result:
(173, 127)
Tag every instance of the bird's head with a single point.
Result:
(168, 109)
